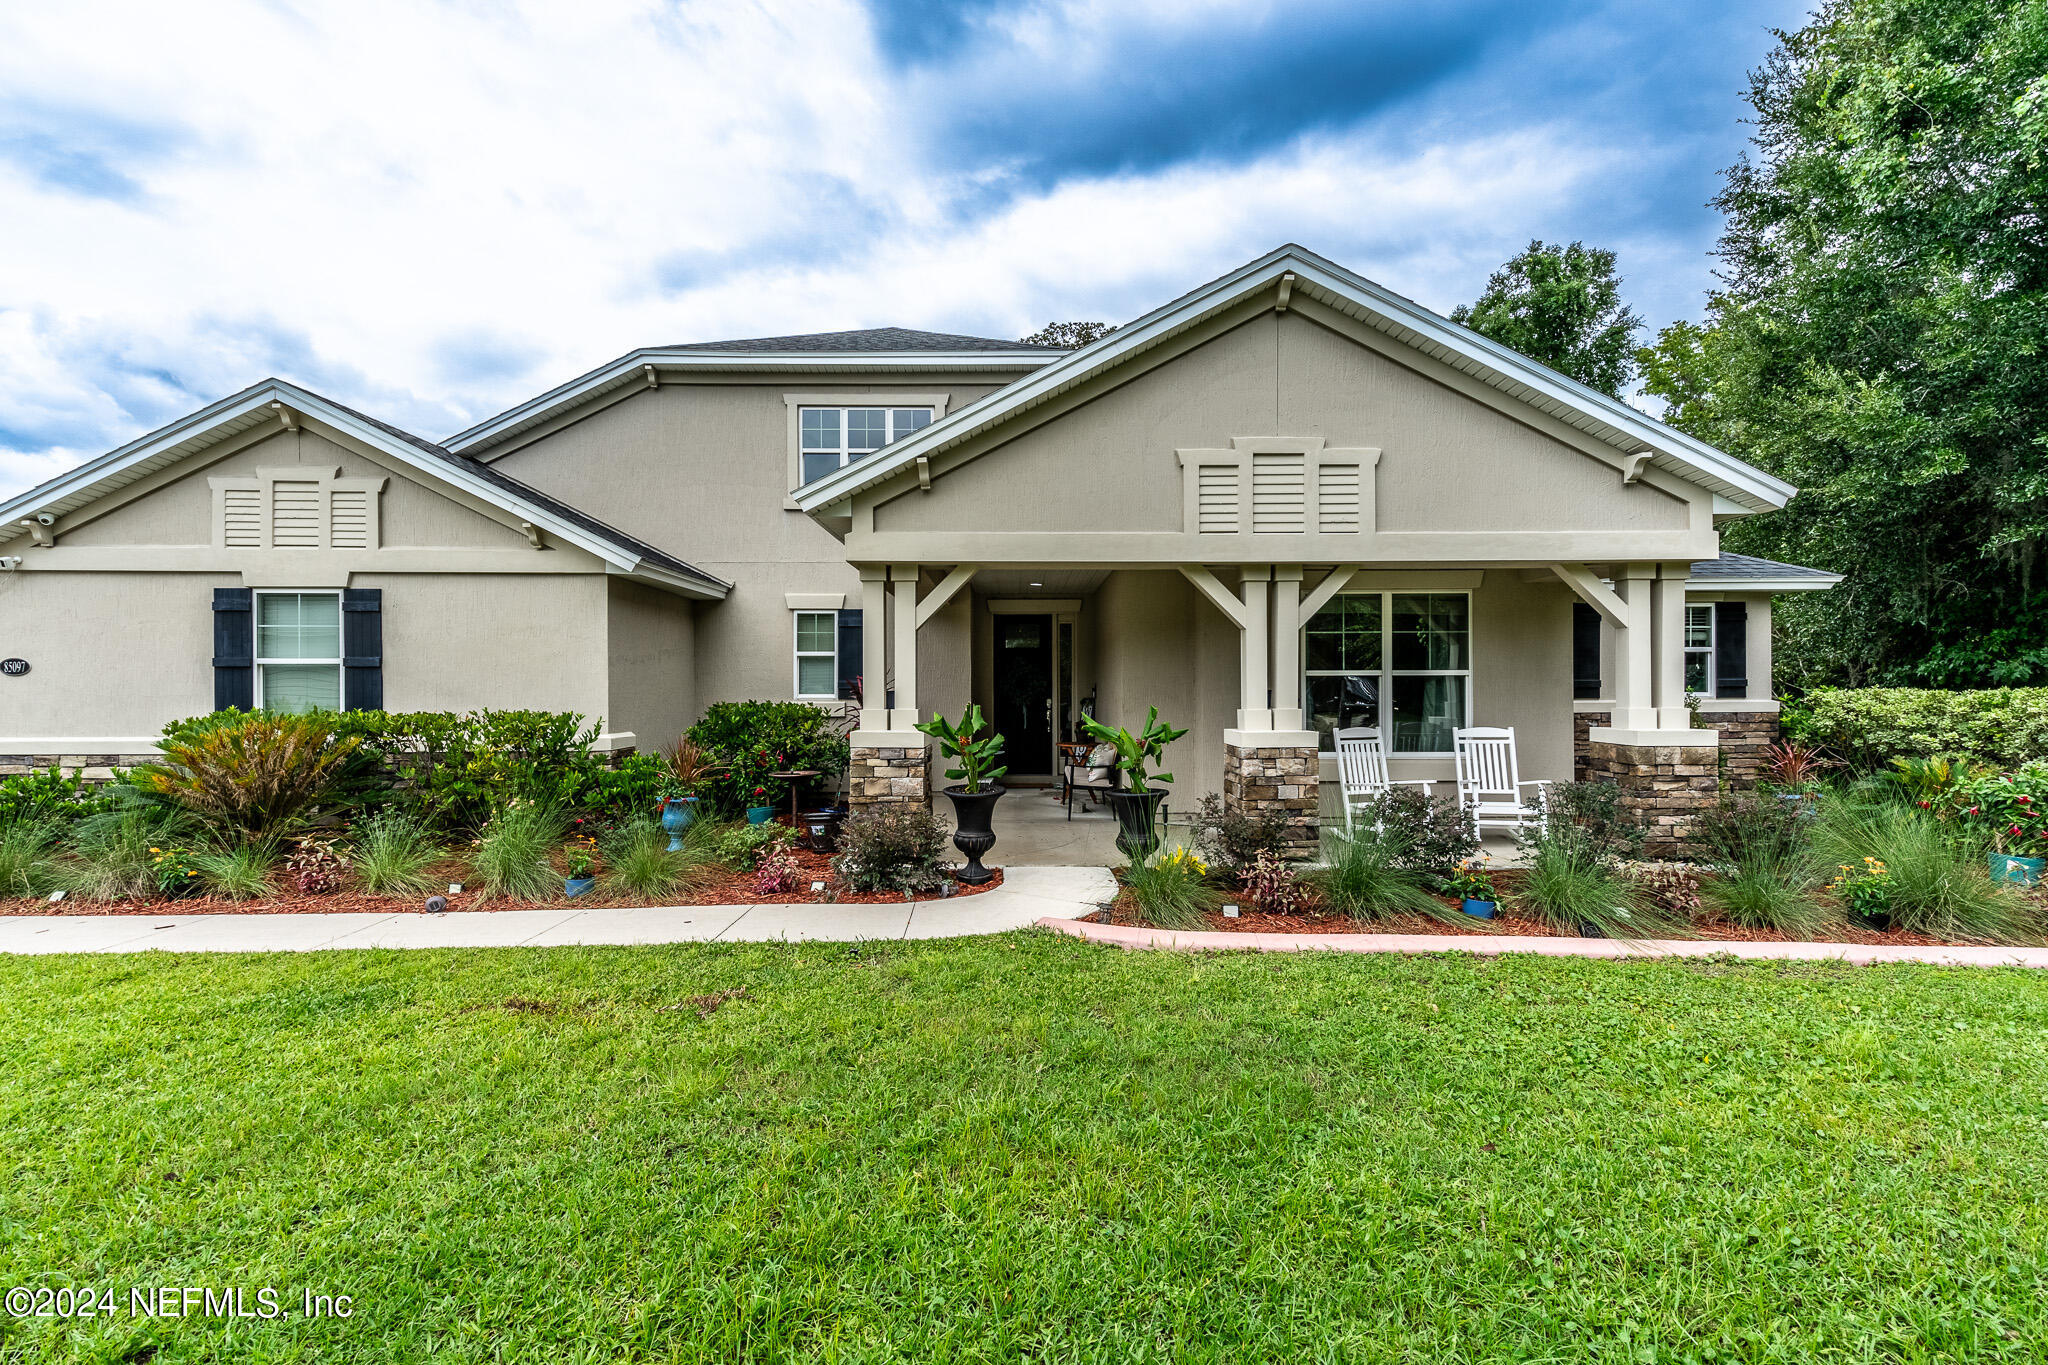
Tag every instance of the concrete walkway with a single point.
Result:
(1027, 895)
(1493, 945)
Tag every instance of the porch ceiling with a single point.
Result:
(1038, 582)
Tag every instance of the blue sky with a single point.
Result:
(433, 211)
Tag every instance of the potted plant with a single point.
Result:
(581, 873)
(974, 805)
(2012, 804)
(758, 814)
(686, 767)
(1475, 889)
(1794, 770)
(1137, 805)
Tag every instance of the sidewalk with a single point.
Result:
(1027, 895)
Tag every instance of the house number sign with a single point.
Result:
(13, 668)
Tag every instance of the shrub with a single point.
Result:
(1589, 817)
(1272, 885)
(777, 871)
(241, 873)
(628, 791)
(315, 868)
(1363, 877)
(1751, 827)
(1935, 879)
(638, 863)
(1171, 890)
(2008, 809)
(26, 867)
(1233, 839)
(1932, 781)
(128, 851)
(457, 769)
(2005, 726)
(249, 778)
(755, 738)
(392, 853)
(513, 853)
(1431, 835)
(48, 797)
(893, 848)
(738, 845)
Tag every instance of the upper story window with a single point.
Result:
(832, 438)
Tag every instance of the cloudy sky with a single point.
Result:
(432, 211)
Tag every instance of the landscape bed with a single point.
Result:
(1028, 1147)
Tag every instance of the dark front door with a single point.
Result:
(1023, 693)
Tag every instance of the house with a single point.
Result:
(1288, 500)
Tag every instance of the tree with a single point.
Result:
(1881, 337)
(1561, 306)
(1069, 335)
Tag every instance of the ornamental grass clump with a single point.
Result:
(1766, 873)
(1172, 890)
(392, 852)
(513, 855)
(128, 851)
(1935, 880)
(637, 861)
(1363, 877)
(1575, 882)
(241, 873)
(27, 867)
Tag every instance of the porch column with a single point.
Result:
(1287, 700)
(1634, 704)
(903, 586)
(1255, 696)
(874, 647)
(1668, 618)
(887, 758)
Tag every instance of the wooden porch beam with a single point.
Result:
(948, 588)
(1226, 601)
(1332, 584)
(1594, 593)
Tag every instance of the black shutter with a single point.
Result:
(1731, 649)
(849, 654)
(1585, 652)
(234, 649)
(362, 649)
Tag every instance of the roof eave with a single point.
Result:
(1813, 584)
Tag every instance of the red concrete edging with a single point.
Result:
(1856, 954)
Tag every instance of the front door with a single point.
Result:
(1023, 692)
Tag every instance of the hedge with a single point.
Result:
(1870, 726)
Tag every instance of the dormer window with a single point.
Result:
(833, 438)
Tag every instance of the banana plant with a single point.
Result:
(1132, 751)
(960, 745)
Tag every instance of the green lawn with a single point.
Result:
(1030, 1148)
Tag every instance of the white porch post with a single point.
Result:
(874, 647)
(1287, 702)
(1255, 702)
(1669, 649)
(1634, 705)
(903, 581)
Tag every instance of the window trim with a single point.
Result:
(796, 402)
(798, 654)
(1386, 672)
(261, 661)
(1713, 636)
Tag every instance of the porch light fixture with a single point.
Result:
(1038, 585)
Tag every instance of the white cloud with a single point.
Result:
(433, 212)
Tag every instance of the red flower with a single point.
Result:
(2014, 830)
(1923, 805)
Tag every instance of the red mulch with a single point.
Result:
(1124, 911)
(718, 888)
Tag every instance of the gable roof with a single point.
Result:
(1606, 418)
(875, 351)
(253, 407)
(1748, 571)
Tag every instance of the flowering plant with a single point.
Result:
(1866, 891)
(1471, 882)
(582, 856)
(2013, 806)
(175, 875)
(1272, 885)
(1184, 860)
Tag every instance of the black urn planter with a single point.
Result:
(1136, 813)
(973, 813)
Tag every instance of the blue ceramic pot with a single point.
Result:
(676, 815)
(576, 886)
(1481, 909)
(760, 815)
(2010, 867)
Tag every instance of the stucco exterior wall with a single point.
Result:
(1160, 643)
(651, 676)
(456, 642)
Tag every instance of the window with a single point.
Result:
(1396, 662)
(817, 654)
(298, 651)
(832, 438)
(1699, 648)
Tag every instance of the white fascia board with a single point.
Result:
(632, 369)
(643, 572)
(1763, 584)
(1767, 492)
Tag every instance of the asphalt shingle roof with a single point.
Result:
(872, 339)
(1738, 567)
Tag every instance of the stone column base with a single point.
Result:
(1663, 787)
(1280, 770)
(887, 768)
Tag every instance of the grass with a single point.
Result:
(1358, 878)
(637, 861)
(1028, 1147)
(114, 847)
(1941, 885)
(1765, 892)
(242, 873)
(27, 867)
(1170, 890)
(392, 854)
(512, 855)
(1568, 886)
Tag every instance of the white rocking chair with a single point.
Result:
(1362, 771)
(1490, 781)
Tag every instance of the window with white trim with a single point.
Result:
(832, 438)
(817, 654)
(298, 651)
(1699, 648)
(1396, 662)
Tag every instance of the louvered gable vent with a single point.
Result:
(298, 508)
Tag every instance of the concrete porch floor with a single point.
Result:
(1032, 830)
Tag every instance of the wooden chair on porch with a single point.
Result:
(1490, 780)
(1362, 772)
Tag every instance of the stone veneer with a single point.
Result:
(95, 767)
(1662, 787)
(1745, 735)
(1282, 777)
(888, 776)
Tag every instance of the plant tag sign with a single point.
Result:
(13, 668)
